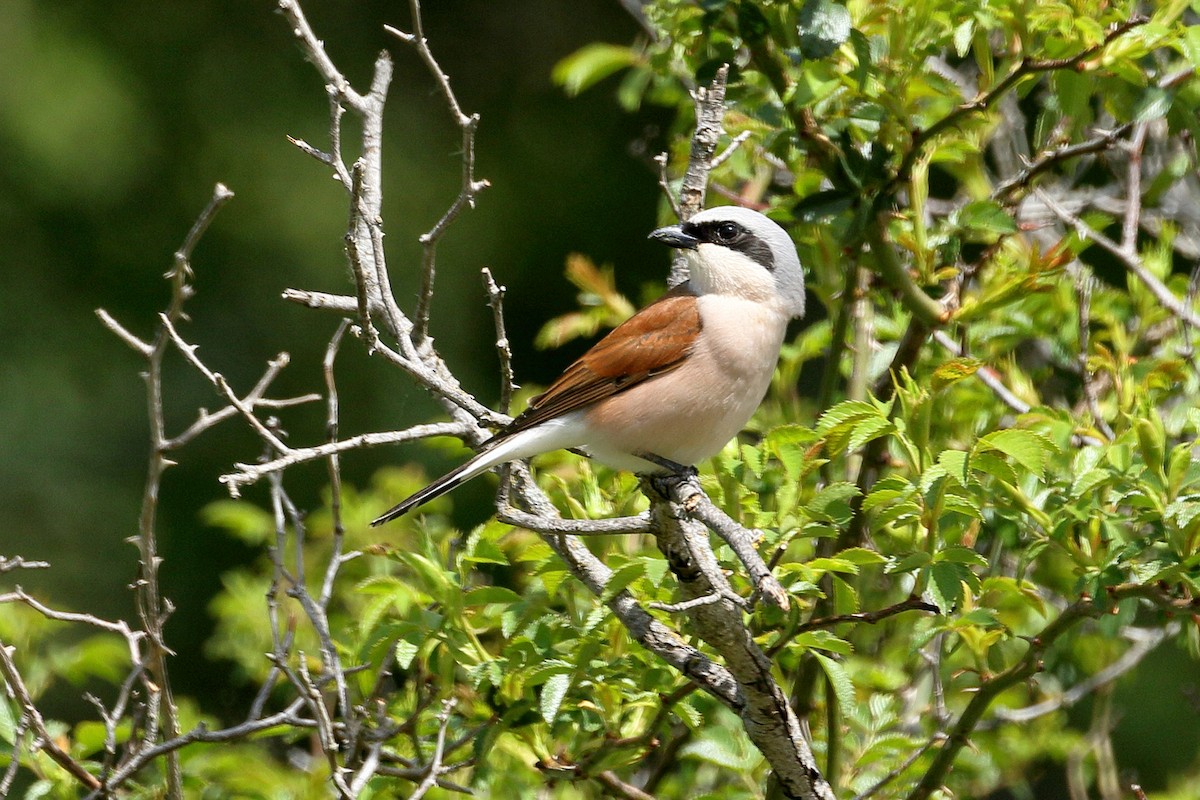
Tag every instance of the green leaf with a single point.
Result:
(246, 521)
(955, 370)
(824, 640)
(861, 556)
(963, 35)
(553, 692)
(1154, 103)
(824, 26)
(946, 579)
(8, 723)
(832, 565)
(622, 578)
(490, 594)
(960, 555)
(719, 745)
(405, 652)
(591, 64)
(833, 502)
(839, 679)
(986, 216)
(1027, 448)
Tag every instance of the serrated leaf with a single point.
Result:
(405, 652)
(963, 35)
(490, 594)
(552, 579)
(839, 679)
(867, 430)
(845, 412)
(993, 465)
(960, 555)
(946, 579)
(955, 370)
(861, 556)
(986, 216)
(1154, 103)
(621, 578)
(552, 694)
(688, 715)
(832, 565)
(833, 502)
(1027, 448)
(914, 560)
(824, 640)
(887, 490)
(1087, 481)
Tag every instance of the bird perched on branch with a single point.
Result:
(678, 379)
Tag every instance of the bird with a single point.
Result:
(671, 385)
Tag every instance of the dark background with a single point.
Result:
(116, 120)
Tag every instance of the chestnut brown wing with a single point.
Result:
(653, 341)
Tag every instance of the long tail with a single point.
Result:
(446, 483)
(551, 435)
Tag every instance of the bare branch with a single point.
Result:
(741, 540)
(252, 400)
(710, 116)
(495, 295)
(17, 562)
(574, 527)
(1024, 68)
(470, 186)
(1130, 259)
(732, 147)
(142, 348)
(314, 51)
(1144, 642)
(33, 720)
(439, 749)
(248, 474)
(766, 715)
(218, 380)
(338, 303)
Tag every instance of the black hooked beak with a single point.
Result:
(673, 236)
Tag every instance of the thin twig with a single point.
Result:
(741, 540)
(439, 751)
(1131, 260)
(495, 294)
(247, 474)
(470, 186)
(18, 562)
(33, 720)
(1083, 294)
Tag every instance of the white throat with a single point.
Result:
(719, 270)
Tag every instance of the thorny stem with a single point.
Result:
(152, 608)
(470, 186)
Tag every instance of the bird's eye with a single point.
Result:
(728, 231)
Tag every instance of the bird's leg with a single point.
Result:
(673, 476)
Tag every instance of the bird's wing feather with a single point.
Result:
(653, 341)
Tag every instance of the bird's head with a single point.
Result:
(739, 252)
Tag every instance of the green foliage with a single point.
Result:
(1047, 528)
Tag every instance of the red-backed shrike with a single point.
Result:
(678, 379)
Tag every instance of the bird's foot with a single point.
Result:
(671, 478)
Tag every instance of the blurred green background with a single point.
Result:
(116, 120)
